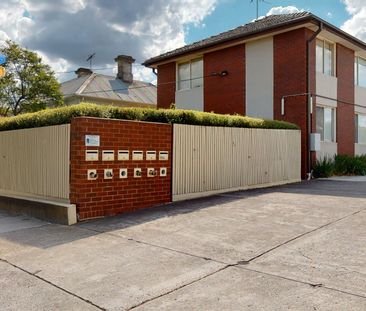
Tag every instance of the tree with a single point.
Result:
(29, 85)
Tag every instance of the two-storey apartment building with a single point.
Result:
(293, 67)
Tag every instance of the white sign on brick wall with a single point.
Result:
(92, 140)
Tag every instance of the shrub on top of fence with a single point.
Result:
(64, 115)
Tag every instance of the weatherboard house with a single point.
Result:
(120, 90)
(293, 67)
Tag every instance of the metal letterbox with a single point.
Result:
(123, 155)
(108, 155)
(163, 155)
(91, 155)
(137, 155)
(151, 155)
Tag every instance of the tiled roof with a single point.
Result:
(259, 25)
(109, 87)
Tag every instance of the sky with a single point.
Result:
(65, 32)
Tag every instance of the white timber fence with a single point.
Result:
(209, 160)
(35, 162)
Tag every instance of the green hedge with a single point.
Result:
(65, 114)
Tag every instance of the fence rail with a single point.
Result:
(210, 160)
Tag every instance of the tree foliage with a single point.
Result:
(29, 85)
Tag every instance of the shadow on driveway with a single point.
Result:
(49, 235)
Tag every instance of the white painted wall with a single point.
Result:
(259, 78)
(360, 149)
(326, 86)
(327, 149)
(360, 99)
(190, 99)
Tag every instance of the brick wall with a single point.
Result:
(225, 94)
(345, 112)
(101, 197)
(166, 85)
(290, 68)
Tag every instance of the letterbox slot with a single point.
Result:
(137, 155)
(163, 155)
(108, 155)
(151, 155)
(91, 155)
(123, 155)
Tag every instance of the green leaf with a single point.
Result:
(29, 85)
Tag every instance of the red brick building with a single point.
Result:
(293, 67)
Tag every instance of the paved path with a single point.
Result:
(296, 247)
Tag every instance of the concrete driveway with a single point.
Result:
(296, 247)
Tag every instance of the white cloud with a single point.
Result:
(283, 10)
(329, 14)
(66, 31)
(13, 21)
(279, 10)
(356, 25)
(353, 6)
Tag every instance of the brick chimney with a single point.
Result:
(124, 72)
(82, 72)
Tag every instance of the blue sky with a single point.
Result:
(232, 13)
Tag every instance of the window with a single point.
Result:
(360, 71)
(325, 57)
(360, 122)
(325, 123)
(190, 75)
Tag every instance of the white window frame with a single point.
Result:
(190, 73)
(357, 71)
(357, 115)
(334, 123)
(333, 46)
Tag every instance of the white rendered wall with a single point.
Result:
(190, 99)
(327, 149)
(360, 99)
(259, 78)
(326, 86)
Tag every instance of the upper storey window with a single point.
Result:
(360, 71)
(190, 74)
(325, 57)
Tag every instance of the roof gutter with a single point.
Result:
(310, 101)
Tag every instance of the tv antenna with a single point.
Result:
(257, 5)
(90, 59)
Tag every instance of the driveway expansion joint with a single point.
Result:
(34, 274)
(161, 247)
(305, 234)
(313, 285)
(179, 287)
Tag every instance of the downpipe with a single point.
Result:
(310, 102)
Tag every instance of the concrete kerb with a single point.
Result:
(49, 210)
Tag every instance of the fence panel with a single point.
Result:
(35, 162)
(209, 160)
